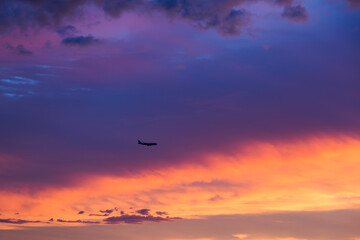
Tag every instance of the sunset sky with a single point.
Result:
(254, 104)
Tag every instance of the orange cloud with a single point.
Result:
(320, 173)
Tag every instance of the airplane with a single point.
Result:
(146, 144)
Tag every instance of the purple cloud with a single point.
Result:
(353, 3)
(296, 13)
(108, 211)
(77, 221)
(284, 2)
(99, 215)
(17, 221)
(136, 219)
(143, 211)
(19, 50)
(220, 15)
(224, 16)
(161, 213)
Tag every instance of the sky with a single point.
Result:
(254, 104)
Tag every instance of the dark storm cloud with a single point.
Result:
(136, 219)
(296, 13)
(17, 221)
(79, 41)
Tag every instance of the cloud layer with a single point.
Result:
(224, 16)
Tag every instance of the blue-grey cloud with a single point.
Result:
(79, 41)
(18, 80)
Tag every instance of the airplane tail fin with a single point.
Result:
(139, 142)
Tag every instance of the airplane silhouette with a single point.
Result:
(146, 144)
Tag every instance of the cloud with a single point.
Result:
(224, 16)
(19, 50)
(108, 211)
(17, 80)
(220, 15)
(143, 211)
(67, 31)
(105, 213)
(295, 13)
(216, 198)
(353, 3)
(13, 95)
(79, 41)
(161, 213)
(136, 219)
(241, 236)
(77, 221)
(284, 2)
(17, 221)
(232, 24)
(25, 13)
(333, 225)
(81, 212)
(117, 7)
(50, 14)
(98, 215)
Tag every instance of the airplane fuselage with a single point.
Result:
(146, 144)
